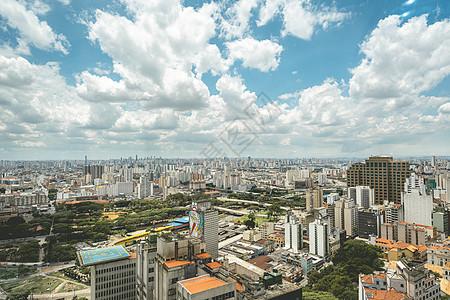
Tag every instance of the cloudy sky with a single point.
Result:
(265, 78)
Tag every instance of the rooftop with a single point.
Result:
(385, 294)
(97, 256)
(176, 263)
(201, 283)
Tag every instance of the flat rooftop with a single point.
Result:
(97, 256)
(201, 283)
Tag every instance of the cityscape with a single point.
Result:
(225, 149)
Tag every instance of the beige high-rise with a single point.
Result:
(314, 198)
(386, 176)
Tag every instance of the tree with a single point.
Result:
(20, 295)
(250, 222)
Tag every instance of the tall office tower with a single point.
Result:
(381, 173)
(433, 161)
(362, 195)
(293, 235)
(319, 242)
(204, 224)
(345, 216)
(127, 174)
(314, 199)
(112, 272)
(145, 268)
(417, 205)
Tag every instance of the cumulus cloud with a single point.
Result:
(300, 17)
(32, 30)
(402, 58)
(235, 22)
(263, 55)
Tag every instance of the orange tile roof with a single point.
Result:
(214, 265)
(176, 263)
(201, 283)
(367, 279)
(381, 275)
(203, 255)
(132, 255)
(385, 294)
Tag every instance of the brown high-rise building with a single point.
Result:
(386, 176)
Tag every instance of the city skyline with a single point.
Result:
(292, 78)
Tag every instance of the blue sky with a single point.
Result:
(178, 79)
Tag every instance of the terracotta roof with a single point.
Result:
(434, 268)
(367, 279)
(201, 283)
(381, 275)
(176, 263)
(214, 265)
(203, 255)
(385, 294)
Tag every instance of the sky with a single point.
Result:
(199, 79)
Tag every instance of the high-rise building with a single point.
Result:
(381, 173)
(433, 161)
(144, 187)
(417, 205)
(319, 243)
(345, 216)
(113, 272)
(96, 171)
(204, 224)
(314, 199)
(145, 268)
(293, 235)
(362, 195)
(369, 222)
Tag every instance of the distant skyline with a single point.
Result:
(171, 78)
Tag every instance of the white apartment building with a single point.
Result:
(319, 243)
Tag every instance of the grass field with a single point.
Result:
(36, 285)
(258, 220)
(12, 273)
(69, 287)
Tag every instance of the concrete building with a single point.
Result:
(381, 173)
(363, 196)
(175, 261)
(145, 269)
(319, 243)
(409, 233)
(438, 255)
(393, 212)
(345, 216)
(314, 198)
(331, 198)
(417, 205)
(369, 222)
(206, 287)
(266, 229)
(144, 187)
(293, 236)
(113, 272)
(204, 224)
(441, 221)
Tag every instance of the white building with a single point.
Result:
(144, 188)
(319, 243)
(418, 206)
(363, 196)
(331, 198)
(293, 232)
(345, 216)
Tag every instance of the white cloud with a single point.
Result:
(402, 59)
(235, 23)
(32, 30)
(300, 17)
(263, 55)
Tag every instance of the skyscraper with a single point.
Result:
(314, 199)
(204, 224)
(381, 173)
(418, 206)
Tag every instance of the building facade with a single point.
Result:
(382, 174)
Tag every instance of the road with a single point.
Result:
(239, 212)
